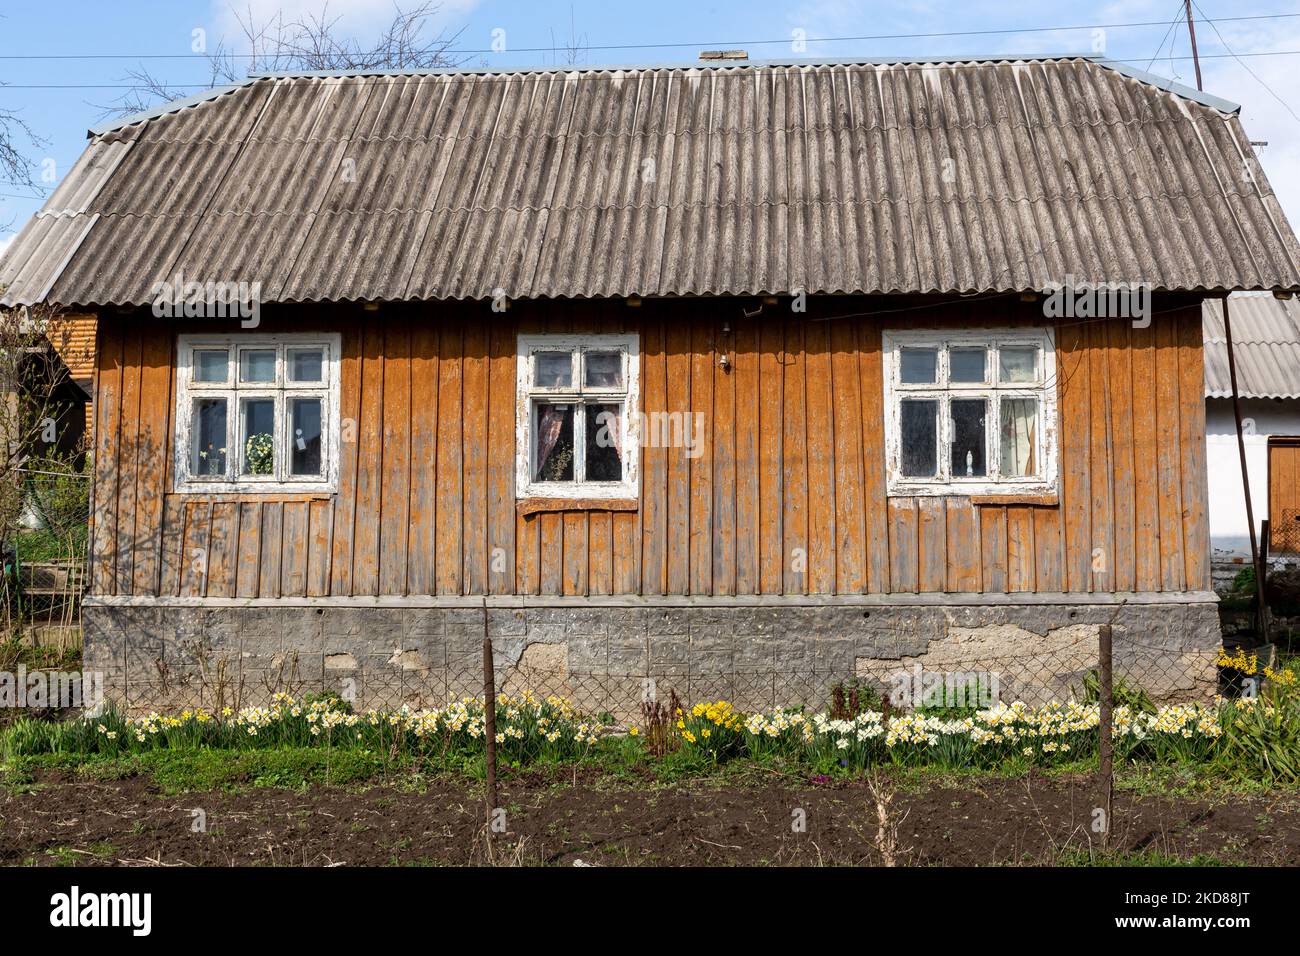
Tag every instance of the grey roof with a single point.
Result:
(737, 178)
(1265, 341)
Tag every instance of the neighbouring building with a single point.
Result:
(742, 378)
(1266, 344)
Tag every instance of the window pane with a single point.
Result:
(257, 365)
(208, 437)
(554, 369)
(257, 436)
(1019, 437)
(966, 365)
(604, 370)
(918, 366)
(210, 365)
(968, 438)
(553, 437)
(919, 423)
(1017, 364)
(306, 365)
(304, 436)
(604, 443)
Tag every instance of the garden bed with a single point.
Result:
(597, 818)
(311, 781)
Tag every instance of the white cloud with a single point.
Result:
(5, 243)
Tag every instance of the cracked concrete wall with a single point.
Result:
(608, 658)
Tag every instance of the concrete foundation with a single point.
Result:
(608, 655)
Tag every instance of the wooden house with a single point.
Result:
(745, 377)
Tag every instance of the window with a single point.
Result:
(970, 412)
(577, 417)
(257, 413)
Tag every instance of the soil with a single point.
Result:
(595, 820)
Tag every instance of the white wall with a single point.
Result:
(1229, 532)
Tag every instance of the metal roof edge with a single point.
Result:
(171, 106)
(1160, 82)
(684, 65)
(1172, 86)
(1119, 66)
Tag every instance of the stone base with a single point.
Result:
(607, 658)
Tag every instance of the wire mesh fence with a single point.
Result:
(45, 540)
(1146, 673)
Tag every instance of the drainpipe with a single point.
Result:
(1261, 614)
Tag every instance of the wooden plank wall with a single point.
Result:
(784, 494)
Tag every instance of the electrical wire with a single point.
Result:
(1245, 66)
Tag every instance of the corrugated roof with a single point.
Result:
(742, 178)
(1265, 341)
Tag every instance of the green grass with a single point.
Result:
(1152, 858)
(177, 771)
(47, 545)
(15, 651)
(617, 763)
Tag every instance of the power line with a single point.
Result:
(1166, 37)
(678, 44)
(1245, 66)
(399, 76)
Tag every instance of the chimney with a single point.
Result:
(723, 55)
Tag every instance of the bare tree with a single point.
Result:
(315, 41)
(39, 473)
(574, 49)
(15, 167)
(35, 344)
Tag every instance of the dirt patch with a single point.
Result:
(599, 821)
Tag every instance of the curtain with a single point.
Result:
(1019, 422)
(549, 423)
(611, 421)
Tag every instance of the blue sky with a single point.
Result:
(130, 30)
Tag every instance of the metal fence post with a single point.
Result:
(1106, 694)
(489, 722)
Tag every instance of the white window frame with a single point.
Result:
(1043, 482)
(281, 391)
(628, 345)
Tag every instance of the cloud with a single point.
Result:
(5, 243)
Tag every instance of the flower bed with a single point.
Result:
(1052, 734)
(528, 730)
(1254, 736)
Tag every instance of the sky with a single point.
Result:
(63, 61)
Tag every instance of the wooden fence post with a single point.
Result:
(489, 723)
(1106, 695)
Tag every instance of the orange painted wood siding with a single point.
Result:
(786, 494)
